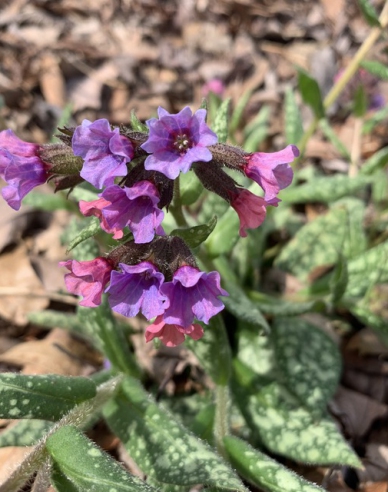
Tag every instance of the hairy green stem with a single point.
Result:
(79, 416)
(221, 420)
(176, 206)
(349, 72)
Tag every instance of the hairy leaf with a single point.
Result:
(194, 236)
(293, 125)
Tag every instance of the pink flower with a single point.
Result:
(216, 86)
(87, 279)
(172, 335)
(251, 210)
(21, 168)
(271, 171)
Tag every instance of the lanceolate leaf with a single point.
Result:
(42, 397)
(377, 161)
(194, 236)
(309, 360)
(339, 280)
(225, 235)
(220, 125)
(190, 188)
(369, 12)
(89, 231)
(263, 471)
(257, 130)
(161, 446)
(87, 467)
(292, 119)
(311, 93)
(24, 433)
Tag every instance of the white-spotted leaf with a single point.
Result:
(309, 361)
(293, 431)
(220, 124)
(24, 432)
(293, 125)
(42, 397)
(161, 446)
(263, 471)
(88, 467)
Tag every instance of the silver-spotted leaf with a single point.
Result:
(309, 360)
(89, 231)
(24, 432)
(322, 241)
(88, 467)
(263, 471)
(161, 446)
(42, 397)
(293, 125)
(293, 431)
(220, 124)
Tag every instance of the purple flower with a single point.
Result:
(172, 335)
(135, 207)
(192, 294)
(105, 152)
(177, 140)
(21, 168)
(87, 279)
(271, 171)
(136, 288)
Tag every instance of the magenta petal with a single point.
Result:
(87, 279)
(251, 210)
(271, 170)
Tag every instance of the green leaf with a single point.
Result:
(194, 236)
(136, 124)
(262, 471)
(294, 432)
(367, 269)
(162, 447)
(50, 318)
(309, 360)
(101, 324)
(276, 306)
(220, 124)
(360, 102)
(257, 130)
(190, 188)
(375, 162)
(311, 93)
(238, 302)
(333, 138)
(86, 466)
(213, 351)
(324, 189)
(81, 193)
(42, 397)
(49, 202)
(375, 119)
(339, 280)
(60, 482)
(238, 111)
(369, 13)
(89, 231)
(225, 235)
(322, 241)
(24, 432)
(292, 118)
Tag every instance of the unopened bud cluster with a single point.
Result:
(153, 274)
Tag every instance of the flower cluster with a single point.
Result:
(134, 172)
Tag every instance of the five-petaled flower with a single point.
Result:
(177, 140)
(271, 170)
(87, 279)
(105, 152)
(137, 289)
(192, 294)
(20, 167)
(135, 207)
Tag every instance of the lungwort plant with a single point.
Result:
(174, 226)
